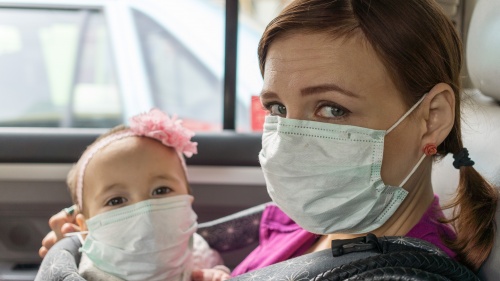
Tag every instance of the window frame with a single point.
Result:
(230, 64)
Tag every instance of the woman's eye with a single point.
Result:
(277, 109)
(116, 201)
(162, 190)
(331, 111)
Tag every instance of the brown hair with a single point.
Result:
(73, 173)
(420, 48)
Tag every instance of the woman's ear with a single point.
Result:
(439, 114)
(80, 221)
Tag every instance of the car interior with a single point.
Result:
(225, 176)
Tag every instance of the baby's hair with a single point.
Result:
(72, 178)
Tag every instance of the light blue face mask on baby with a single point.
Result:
(149, 240)
(326, 177)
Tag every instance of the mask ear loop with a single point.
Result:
(399, 122)
(406, 114)
(412, 171)
(78, 234)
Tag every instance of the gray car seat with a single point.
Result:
(369, 257)
(61, 262)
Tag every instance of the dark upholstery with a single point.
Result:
(43, 145)
(233, 232)
(402, 258)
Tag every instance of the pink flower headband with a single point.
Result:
(156, 125)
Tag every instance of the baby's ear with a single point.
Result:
(80, 221)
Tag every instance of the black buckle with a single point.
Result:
(359, 244)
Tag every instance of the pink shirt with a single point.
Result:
(282, 239)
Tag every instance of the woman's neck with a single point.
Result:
(419, 198)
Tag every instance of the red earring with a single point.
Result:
(430, 149)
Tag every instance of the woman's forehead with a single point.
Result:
(318, 58)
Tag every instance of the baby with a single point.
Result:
(135, 205)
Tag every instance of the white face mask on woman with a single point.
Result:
(326, 177)
(149, 240)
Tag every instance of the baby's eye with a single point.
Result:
(332, 111)
(277, 109)
(116, 201)
(162, 190)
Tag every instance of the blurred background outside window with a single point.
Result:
(65, 66)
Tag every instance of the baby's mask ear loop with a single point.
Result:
(78, 234)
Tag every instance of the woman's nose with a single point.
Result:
(295, 113)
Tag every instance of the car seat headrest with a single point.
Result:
(483, 45)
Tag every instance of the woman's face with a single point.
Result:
(341, 81)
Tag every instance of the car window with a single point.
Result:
(56, 70)
(180, 82)
(254, 15)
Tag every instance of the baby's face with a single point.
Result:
(131, 170)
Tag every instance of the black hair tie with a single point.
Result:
(462, 159)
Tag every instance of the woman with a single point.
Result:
(363, 96)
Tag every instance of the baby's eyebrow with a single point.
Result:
(107, 188)
(166, 176)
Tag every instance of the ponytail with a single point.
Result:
(473, 218)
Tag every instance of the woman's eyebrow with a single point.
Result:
(326, 88)
(268, 95)
(313, 90)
